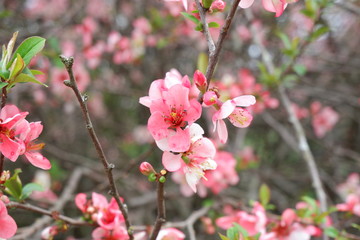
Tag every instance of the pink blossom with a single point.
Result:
(93, 54)
(30, 148)
(324, 119)
(118, 233)
(146, 168)
(10, 116)
(7, 224)
(164, 234)
(210, 98)
(224, 175)
(239, 117)
(184, 2)
(276, 6)
(352, 205)
(170, 116)
(195, 160)
(218, 6)
(253, 223)
(350, 186)
(200, 80)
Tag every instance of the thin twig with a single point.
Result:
(59, 205)
(3, 103)
(108, 167)
(53, 214)
(161, 214)
(209, 39)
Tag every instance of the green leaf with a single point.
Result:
(357, 226)
(13, 185)
(223, 237)
(4, 74)
(24, 78)
(241, 230)
(199, 27)
(190, 17)
(319, 32)
(311, 202)
(17, 67)
(28, 49)
(232, 233)
(331, 232)
(202, 62)
(264, 194)
(285, 39)
(207, 3)
(3, 84)
(300, 69)
(213, 25)
(36, 72)
(29, 188)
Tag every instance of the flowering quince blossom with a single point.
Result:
(324, 119)
(352, 205)
(184, 2)
(350, 186)
(276, 6)
(106, 215)
(239, 117)
(195, 161)
(224, 175)
(171, 112)
(8, 226)
(253, 223)
(164, 234)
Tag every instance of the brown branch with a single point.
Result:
(108, 167)
(214, 51)
(53, 214)
(161, 214)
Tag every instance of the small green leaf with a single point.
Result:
(319, 32)
(223, 237)
(13, 185)
(300, 69)
(285, 39)
(213, 25)
(36, 72)
(241, 230)
(29, 188)
(357, 226)
(17, 67)
(28, 49)
(264, 194)
(4, 74)
(199, 27)
(207, 3)
(202, 62)
(190, 17)
(331, 232)
(232, 233)
(24, 78)
(3, 84)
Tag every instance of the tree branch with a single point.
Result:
(108, 167)
(161, 214)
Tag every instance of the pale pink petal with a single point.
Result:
(194, 112)
(180, 141)
(156, 126)
(226, 109)
(163, 144)
(99, 200)
(225, 222)
(10, 148)
(222, 131)
(203, 148)
(185, 3)
(274, 6)
(172, 162)
(38, 160)
(241, 118)
(245, 100)
(8, 111)
(35, 130)
(8, 226)
(80, 201)
(192, 178)
(246, 3)
(196, 132)
(146, 101)
(288, 217)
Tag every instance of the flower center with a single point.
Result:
(176, 116)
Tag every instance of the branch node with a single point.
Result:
(68, 83)
(89, 126)
(111, 166)
(67, 61)
(85, 97)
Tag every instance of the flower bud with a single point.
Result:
(146, 168)
(162, 179)
(210, 98)
(152, 177)
(4, 176)
(200, 81)
(218, 6)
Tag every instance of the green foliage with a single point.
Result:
(207, 3)
(29, 188)
(28, 49)
(191, 17)
(264, 194)
(319, 31)
(213, 25)
(202, 62)
(331, 232)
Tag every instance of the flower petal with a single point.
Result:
(245, 100)
(222, 131)
(241, 118)
(246, 3)
(172, 162)
(38, 160)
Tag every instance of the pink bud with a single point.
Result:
(200, 80)
(218, 6)
(210, 98)
(146, 168)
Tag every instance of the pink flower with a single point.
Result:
(350, 186)
(184, 2)
(239, 117)
(7, 224)
(195, 161)
(10, 116)
(276, 6)
(170, 116)
(218, 6)
(324, 119)
(118, 233)
(224, 175)
(146, 168)
(30, 148)
(253, 223)
(164, 234)
(352, 205)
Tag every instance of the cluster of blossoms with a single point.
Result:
(174, 109)
(106, 215)
(18, 137)
(289, 227)
(350, 192)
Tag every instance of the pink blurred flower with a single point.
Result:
(93, 54)
(352, 205)
(164, 234)
(224, 175)
(184, 2)
(276, 6)
(253, 223)
(8, 226)
(118, 233)
(218, 6)
(195, 160)
(323, 119)
(299, 111)
(350, 186)
(247, 157)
